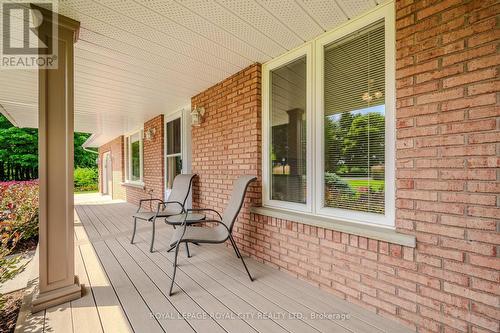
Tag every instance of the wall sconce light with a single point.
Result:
(197, 115)
(150, 134)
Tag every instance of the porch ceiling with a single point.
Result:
(137, 59)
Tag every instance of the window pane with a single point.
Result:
(355, 121)
(136, 160)
(288, 132)
(174, 137)
(127, 158)
(174, 168)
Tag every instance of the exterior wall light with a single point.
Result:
(150, 134)
(197, 115)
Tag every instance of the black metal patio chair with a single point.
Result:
(173, 206)
(189, 233)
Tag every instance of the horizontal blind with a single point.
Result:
(354, 90)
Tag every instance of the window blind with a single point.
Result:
(354, 90)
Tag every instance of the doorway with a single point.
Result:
(107, 174)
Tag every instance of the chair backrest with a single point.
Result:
(233, 207)
(180, 191)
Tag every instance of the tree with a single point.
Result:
(83, 159)
(336, 129)
(19, 152)
(352, 140)
(364, 142)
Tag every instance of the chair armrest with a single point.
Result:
(164, 204)
(146, 200)
(204, 209)
(211, 221)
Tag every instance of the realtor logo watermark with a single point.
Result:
(22, 45)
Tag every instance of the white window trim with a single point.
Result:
(315, 109)
(307, 51)
(128, 162)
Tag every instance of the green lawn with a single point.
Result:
(84, 192)
(374, 184)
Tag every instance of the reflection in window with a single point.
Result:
(135, 153)
(288, 132)
(173, 152)
(354, 123)
(174, 168)
(174, 137)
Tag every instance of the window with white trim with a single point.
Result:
(288, 131)
(134, 157)
(328, 123)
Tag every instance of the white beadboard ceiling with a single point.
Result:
(137, 59)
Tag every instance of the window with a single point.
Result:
(346, 169)
(173, 152)
(287, 127)
(354, 121)
(288, 132)
(133, 157)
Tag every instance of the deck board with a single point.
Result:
(127, 287)
(59, 319)
(245, 291)
(204, 281)
(84, 310)
(288, 287)
(196, 301)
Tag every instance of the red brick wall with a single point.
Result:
(447, 183)
(227, 144)
(153, 159)
(115, 147)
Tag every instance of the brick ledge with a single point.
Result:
(141, 186)
(368, 231)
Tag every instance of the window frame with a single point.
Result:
(128, 158)
(315, 126)
(287, 58)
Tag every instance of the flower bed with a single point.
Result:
(18, 234)
(18, 213)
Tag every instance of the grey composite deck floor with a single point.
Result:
(127, 288)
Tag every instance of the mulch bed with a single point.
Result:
(26, 246)
(13, 300)
(8, 315)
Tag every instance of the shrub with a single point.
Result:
(85, 179)
(18, 223)
(18, 211)
(358, 171)
(342, 170)
(335, 183)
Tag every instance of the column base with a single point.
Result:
(42, 301)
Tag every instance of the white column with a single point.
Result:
(57, 280)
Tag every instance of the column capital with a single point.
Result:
(50, 18)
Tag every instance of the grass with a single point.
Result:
(84, 192)
(376, 185)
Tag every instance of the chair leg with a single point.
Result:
(234, 247)
(175, 269)
(153, 236)
(135, 228)
(238, 253)
(187, 250)
(171, 248)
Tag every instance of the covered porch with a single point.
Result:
(381, 206)
(126, 287)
